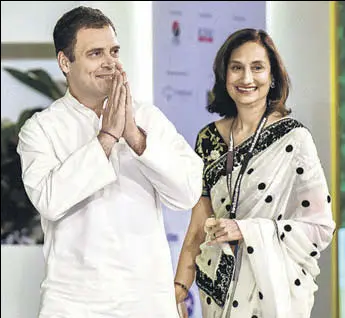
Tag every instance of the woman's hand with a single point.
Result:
(222, 230)
(180, 294)
(182, 310)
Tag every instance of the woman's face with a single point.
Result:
(248, 77)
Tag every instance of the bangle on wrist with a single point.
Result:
(184, 287)
(108, 133)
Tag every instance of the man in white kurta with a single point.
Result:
(105, 246)
(97, 168)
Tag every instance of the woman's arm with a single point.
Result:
(195, 236)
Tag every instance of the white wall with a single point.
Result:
(31, 21)
(301, 31)
(22, 270)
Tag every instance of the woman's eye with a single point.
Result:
(257, 68)
(235, 68)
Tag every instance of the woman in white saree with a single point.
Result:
(265, 213)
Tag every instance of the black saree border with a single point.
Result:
(269, 136)
(217, 289)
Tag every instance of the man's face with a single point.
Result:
(96, 54)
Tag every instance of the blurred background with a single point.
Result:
(167, 49)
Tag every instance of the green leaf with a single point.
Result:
(43, 76)
(38, 80)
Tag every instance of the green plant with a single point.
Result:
(20, 222)
(40, 81)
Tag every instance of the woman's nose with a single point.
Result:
(247, 76)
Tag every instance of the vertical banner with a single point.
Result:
(186, 38)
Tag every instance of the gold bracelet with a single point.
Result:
(183, 286)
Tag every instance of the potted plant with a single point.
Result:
(20, 222)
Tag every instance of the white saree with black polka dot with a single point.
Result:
(284, 214)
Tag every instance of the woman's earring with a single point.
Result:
(273, 84)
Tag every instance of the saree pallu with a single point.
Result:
(285, 217)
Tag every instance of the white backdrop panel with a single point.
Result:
(186, 37)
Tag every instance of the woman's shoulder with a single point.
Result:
(295, 130)
(285, 125)
(214, 128)
(293, 125)
(209, 141)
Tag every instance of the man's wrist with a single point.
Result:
(137, 140)
(107, 142)
(107, 133)
(134, 134)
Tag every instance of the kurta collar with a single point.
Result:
(81, 108)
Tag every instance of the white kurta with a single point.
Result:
(105, 246)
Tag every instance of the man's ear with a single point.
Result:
(64, 62)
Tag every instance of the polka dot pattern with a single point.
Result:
(268, 199)
(305, 203)
(289, 148)
(250, 250)
(287, 227)
(299, 170)
(250, 171)
(277, 202)
(261, 186)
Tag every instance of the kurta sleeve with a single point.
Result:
(168, 161)
(283, 252)
(54, 186)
